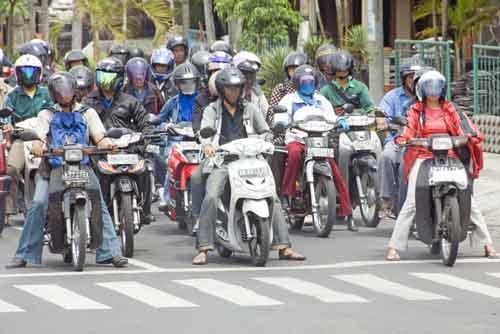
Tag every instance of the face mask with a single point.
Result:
(307, 88)
(187, 87)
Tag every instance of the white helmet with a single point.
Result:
(28, 70)
(28, 60)
(247, 61)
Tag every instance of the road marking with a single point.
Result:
(381, 285)
(145, 265)
(146, 294)
(62, 297)
(233, 293)
(311, 289)
(460, 283)
(6, 307)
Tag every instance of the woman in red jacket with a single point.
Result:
(432, 115)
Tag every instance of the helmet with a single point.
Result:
(120, 52)
(219, 60)
(137, 69)
(46, 45)
(247, 62)
(136, 52)
(109, 74)
(28, 70)
(63, 88)
(211, 84)
(162, 56)
(227, 77)
(35, 49)
(74, 56)
(323, 55)
(176, 41)
(294, 59)
(221, 46)
(303, 72)
(406, 70)
(84, 77)
(431, 83)
(418, 75)
(200, 59)
(186, 77)
(341, 61)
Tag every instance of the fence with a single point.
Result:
(436, 54)
(486, 62)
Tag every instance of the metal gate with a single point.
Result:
(486, 62)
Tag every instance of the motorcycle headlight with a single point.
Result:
(73, 155)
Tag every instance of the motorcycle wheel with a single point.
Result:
(79, 240)
(295, 223)
(451, 219)
(260, 245)
(223, 251)
(2, 215)
(127, 225)
(435, 248)
(326, 197)
(369, 211)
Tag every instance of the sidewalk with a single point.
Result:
(487, 189)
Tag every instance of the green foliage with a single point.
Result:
(356, 42)
(313, 44)
(54, 32)
(272, 68)
(158, 11)
(264, 21)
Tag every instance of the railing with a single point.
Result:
(486, 62)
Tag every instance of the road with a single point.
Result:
(345, 286)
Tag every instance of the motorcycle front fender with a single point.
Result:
(317, 167)
(258, 207)
(124, 185)
(74, 196)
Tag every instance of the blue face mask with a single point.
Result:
(307, 88)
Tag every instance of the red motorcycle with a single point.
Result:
(184, 159)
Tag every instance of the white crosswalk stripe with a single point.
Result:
(62, 297)
(381, 285)
(147, 295)
(462, 284)
(233, 293)
(310, 289)
(7, 307)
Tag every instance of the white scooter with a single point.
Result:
(244, 223)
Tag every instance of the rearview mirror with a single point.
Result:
(348, 108)
(28, 135)
(207, 132)
(116, 133)
(5, 112)
(279, 109)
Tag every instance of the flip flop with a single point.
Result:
(200, 259)
(290, 254)
(490, 254)
(392, 255)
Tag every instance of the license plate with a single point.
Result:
(363, 145)
(153, 149)
(455, 175)
(189, 145)
(321, 152)
(123, 159)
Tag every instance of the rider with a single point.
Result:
(322, 57)
(180, 48)
(120, 110)
(223, 46)
(138, 86)
(249, 64)
(395, 103)
(26, 101)
(201, 59)
(38, 50)
(233, 118)
(75, 58)
(162, 65)
(344, 88)
(305, 80)
(433, 114)
(63, 90)
(136, 52)
(120, 52)
(84, 81)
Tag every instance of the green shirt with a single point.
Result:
(26, 106)
(354, 88)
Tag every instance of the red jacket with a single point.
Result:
(452, 120)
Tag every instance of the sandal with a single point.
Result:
(392, 255)
(290, 254)
(201, 258)
(490, 252)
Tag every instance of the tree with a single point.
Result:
(209, 20)
(44, 18)
(444, 19)
(12, 7)
(264, 21)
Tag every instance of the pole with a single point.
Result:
(375, 28)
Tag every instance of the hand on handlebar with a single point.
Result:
(342, 124)
(37, 149)
(8, 128)
(209, 151)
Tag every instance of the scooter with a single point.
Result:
(184, 159)
(244, 223)
(359, 149)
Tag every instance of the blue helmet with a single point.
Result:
(162, 56)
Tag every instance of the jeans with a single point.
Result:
(198, 180)
(216, 183)
(31, 241)
(14, 170)
(389, 164)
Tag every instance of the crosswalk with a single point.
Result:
(263, 291)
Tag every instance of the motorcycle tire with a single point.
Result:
(449, 245)
(127, 225)
(260, 245)
(370, 215)
(295, 223)
(326, 197)
(223, 251)
(79, 240)
(3, 218)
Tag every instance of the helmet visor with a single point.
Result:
(106, 80)
(187, 87)
(30, 75)
(432, 87)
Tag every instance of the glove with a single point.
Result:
(342, 125)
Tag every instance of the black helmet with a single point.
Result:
(323, 54)
(302, 71)
(120, 52)
(341, 61)
(221, 46)
(200, 59)
(294, 59)
(35, 49)
(63, 88)
(176, 41)
(186, 78)
(136, 52)
(74, 56)
(227, 77)
(407, 69)
(84, 76)
(104, 74)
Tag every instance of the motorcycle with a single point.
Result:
(359, 149)
(443, 204)
(4, 180)
(316, 194)
(184, 159)
(244, 222)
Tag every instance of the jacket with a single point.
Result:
(25, 106)
(153, 101)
